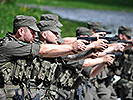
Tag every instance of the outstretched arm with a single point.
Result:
(98, 64)
(53, 50)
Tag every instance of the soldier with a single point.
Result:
(104, 87)
(16, 45)
(11, 49)
(96, 28)
(90, 90)
(124, 87)
(72, 57)
(46, 27)
(86, 87)
(55, 18)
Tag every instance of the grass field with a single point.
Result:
(8, 10)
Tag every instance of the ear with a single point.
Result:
(20, 31)
(120, 36)
(44, 35)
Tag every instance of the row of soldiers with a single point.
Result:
(36, 63)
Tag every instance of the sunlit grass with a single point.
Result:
(9, 11)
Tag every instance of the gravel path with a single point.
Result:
(111, 19)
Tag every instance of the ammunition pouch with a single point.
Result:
(5, 71)
(43, 72)
(28, 69)
(36, 67)
(18, 70)
(47, 72)
(52, 71)
(64, 77)
(108, 80)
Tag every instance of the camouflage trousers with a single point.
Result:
(90, 92)
(106, 93)
(2, 94)
(124, 89)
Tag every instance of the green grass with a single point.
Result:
(113, 5)
(9, 11)
(70, 26)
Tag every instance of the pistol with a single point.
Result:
(87, 38)
(116, 53)
(123, 41)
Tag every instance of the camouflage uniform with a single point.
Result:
(12, 58)
(105, 89)
(2, 92)
(124, 87)
(52, 78)
(12, 69)
(103, 82)
(88, 89)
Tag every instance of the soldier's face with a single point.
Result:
(124, 37)
(51, 37)
(100, 34)
(29, 35)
